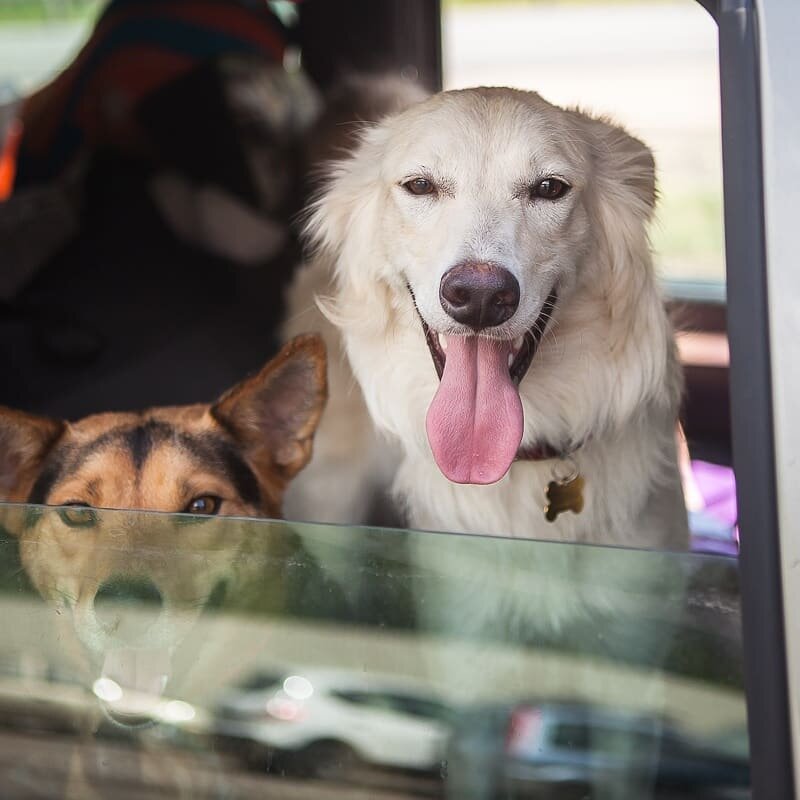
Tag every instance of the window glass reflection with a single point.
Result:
(248, 658)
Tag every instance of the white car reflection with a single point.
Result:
(319, 722)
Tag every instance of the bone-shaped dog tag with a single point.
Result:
(564, 495)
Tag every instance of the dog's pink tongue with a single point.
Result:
(474, 423)
(139, 669)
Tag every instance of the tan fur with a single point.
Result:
(23, 442)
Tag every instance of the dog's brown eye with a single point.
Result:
(78, 515)
(419, 186)
(550, 189)
(207, 505)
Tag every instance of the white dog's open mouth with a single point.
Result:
(475, 421)
(521, 354)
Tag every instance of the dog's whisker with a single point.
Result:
(302, 312)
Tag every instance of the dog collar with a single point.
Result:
(544, 451)
(541, 451)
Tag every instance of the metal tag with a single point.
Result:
(564, 495)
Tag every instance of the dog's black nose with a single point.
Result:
(128, 606)
(480, 295)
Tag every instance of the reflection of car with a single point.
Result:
(328, 719)
(570, 750)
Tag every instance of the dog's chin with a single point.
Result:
(523, 349)
(128, 721)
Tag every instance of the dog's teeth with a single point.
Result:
(442, 341)
(518, 343)
(510, 359)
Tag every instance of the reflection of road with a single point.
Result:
(35, 766)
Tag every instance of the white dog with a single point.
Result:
(493, 285)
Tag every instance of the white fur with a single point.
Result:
(606, 375)
(351, 464)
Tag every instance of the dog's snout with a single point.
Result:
(128, 605)
(480, 295)
(132, 591)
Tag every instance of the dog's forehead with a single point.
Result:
(155, 460)
(189, 418)
(486, 126)
(92, 427)
(179, 436)
(109, 447)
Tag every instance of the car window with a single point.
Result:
(360, 698)
(619, 741)
(649, 636)
(572, 736)
(260, 681)
(401, 704)
(188, 681)
(419, 707)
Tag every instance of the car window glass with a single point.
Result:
(287, 681)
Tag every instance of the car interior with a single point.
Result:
(259, 658)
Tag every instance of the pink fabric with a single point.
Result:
(718, 487)
(714, 529)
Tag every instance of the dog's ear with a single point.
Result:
(346, 147)
(344, 196)
(25, 441)
(624, 165)
(622, 202)
(341, 227)
(274, 414)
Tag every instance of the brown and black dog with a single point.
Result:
(233, 458)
